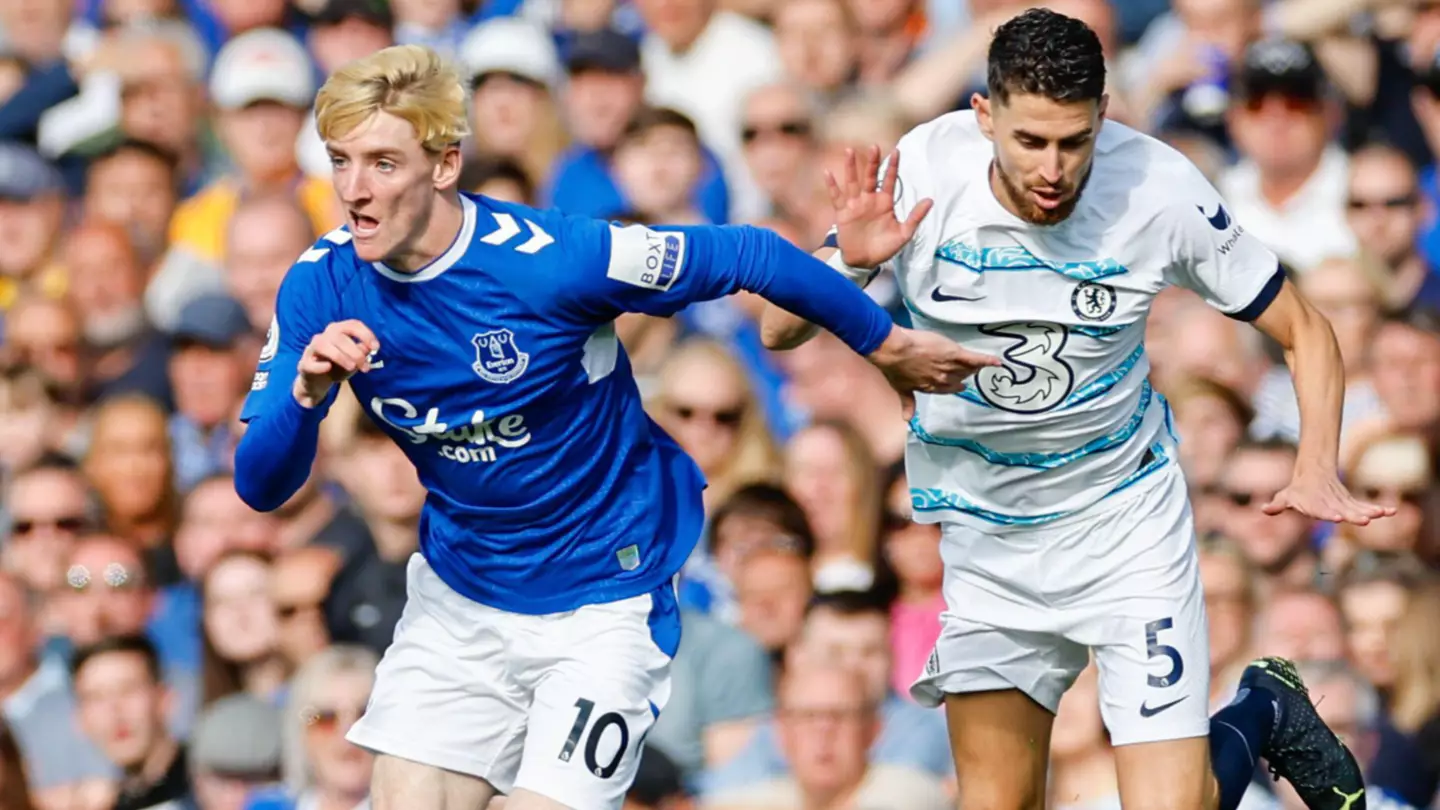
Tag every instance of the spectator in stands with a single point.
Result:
(1349, 293)
(849, 631)
(239, 16)
(123, 707)
(122, 354)
(499, 179)
(130, 466)
(1373, 596)
(706, 402)
(1290, 189)
(261, 89)
(438, 24)
(1277, 545)
(213, 522)
(1406, 369)
(61, 765)
(703, 60)
(234, 751)
(32, 421)
(773, 584)
(49, 506)
(135, 184)
(299, 586)
(819, 43)
(1407, 763)
(1394, 469)
(1302, 625)
(826, 725)
(1213, 419)
(908, 564)
(778, 134)
(756, 516)
(658, 163)
(241, 634)
(833, 476)
(267, 233)
(330, 693)
(1385, 212)
(210, 364)
(1082, 761)
(1230, 601)
(368, 594)
(824, 381)
(161, 66)
(44, 333)
(514, 70)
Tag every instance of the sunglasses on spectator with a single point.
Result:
(724, 417)
(292, 609)
(1390, 203)
(327, 720)
(790, 129)
(23, 526)
(1245, 500)
(1413, 497)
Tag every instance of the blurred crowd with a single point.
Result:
(161, 645)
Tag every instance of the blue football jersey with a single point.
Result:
(500, 375)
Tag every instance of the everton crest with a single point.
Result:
(497, 358)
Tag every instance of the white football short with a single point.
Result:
(1026, 605)
(557, 705)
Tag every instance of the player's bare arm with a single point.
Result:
(1311, 353)
(867, 231)
(332, 357)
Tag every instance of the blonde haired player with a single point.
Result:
(534, 651)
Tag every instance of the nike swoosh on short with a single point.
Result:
(1146, 711)
(940, 298)
(1220, 221)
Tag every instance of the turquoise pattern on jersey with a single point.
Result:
(939, 500)
(1044, 461)
(1015, 258)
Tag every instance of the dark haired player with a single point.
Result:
(1033, 230)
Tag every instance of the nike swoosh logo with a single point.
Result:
(940, 298)
(1146, 711)
(1221, 220)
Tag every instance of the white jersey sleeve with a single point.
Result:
(1214, 255)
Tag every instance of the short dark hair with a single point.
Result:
(849, 604)
(155, 152)
(134, 644)
(651, 118)
(769, 503)
(1273, 444)
(1044, 53)
(1418, 317)
(482, 170)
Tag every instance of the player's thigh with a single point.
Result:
(1166, 775)
(1001, 744)
(446, 693)
(401, 784)
(604, 683)
(525, 800)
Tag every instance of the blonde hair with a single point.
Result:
(1415, 651)
(410, 82)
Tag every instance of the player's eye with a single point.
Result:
(385, 165)
(337, 162)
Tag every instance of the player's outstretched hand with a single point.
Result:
(866, 228)
(926, 362)
(1323, 497)
(333, 356)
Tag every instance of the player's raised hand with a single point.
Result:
(331, 357)
(866, 227)
(926, 362)
(1323, 497)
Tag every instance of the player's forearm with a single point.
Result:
(809, 290)
(781, 330)
(1314, 361)
(276, 453)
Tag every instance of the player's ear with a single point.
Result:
(447, 168)
(981, 105)
(1104, 105)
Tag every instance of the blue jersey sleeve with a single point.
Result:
(661, 270)
(275, 454)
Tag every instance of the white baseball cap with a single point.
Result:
(266, 64)
(512, 45)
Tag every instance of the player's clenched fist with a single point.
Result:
(332, 357)
(926, 362)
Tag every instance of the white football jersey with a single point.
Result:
(1071, 416)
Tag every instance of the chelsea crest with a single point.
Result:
(497, 358)
(1093, 301)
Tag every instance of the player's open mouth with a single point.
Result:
(1047, 199)
(363, 226)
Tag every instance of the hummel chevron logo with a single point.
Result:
(508, 228)
(1221, 220)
